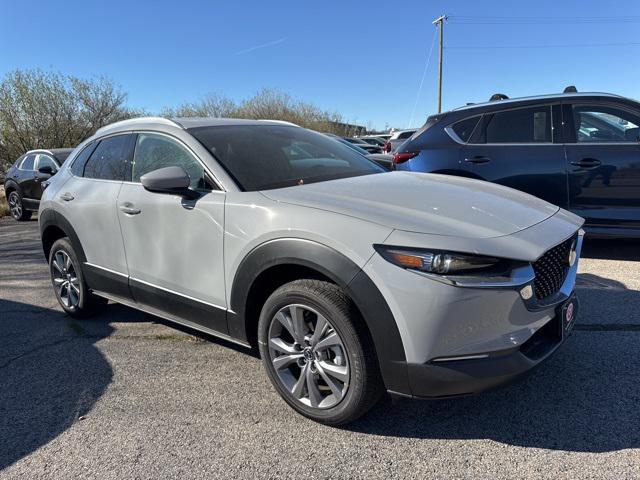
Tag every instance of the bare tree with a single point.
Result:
(48, 110)
(265, 104)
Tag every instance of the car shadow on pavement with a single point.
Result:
(611, 249)
(51, 374)
(585, 398)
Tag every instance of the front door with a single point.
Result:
(604, 165)
(516, 148)
(173, 244)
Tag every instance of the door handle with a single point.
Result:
(129, 209)
(587, 163)
(478, 159)
(67, 197)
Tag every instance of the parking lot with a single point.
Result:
(125, 396)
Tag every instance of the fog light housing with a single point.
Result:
(526, 292)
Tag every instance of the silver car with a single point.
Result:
(351, 281)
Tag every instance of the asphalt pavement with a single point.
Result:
(125, 396)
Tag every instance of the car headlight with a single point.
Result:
(436, 261)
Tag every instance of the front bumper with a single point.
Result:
(469, 375)
(458, 339)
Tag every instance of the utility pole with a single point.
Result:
(440, 23)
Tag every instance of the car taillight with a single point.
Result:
(402, 157)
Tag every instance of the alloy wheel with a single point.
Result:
(65, 279)
(15, 205)
(309, 356)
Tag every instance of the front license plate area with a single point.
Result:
(567, 313)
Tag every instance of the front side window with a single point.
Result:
(47, 161)
(155, 151)
(262, 157)
(522, 125)
(28, 163)
(594, 124)
(110, 159)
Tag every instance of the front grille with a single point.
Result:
(551, 269)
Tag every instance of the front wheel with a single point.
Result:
(16, 207)
(317, 353)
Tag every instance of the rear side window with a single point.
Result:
(404, 135)
(464, 128)
(77, 167)
(28, 163)
(523, 125)
(110, 159)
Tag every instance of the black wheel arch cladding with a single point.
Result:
(342, 271)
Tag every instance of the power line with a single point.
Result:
(493, 20)
(565, 45)
(424, 72)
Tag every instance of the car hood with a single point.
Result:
(424, 203)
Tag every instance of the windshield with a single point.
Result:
(262, 157)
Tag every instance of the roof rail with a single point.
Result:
(135, 121)
(570, 89)
(498, 96)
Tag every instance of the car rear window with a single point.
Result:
(464, 128)
(262, 157)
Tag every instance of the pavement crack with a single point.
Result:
(35, 350)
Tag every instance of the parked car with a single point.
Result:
(397, 139)
(377, 141)
(350, 280)
(370, 148)
(580, 151)
(23, 184)
(383, 159)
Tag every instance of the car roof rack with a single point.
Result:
(570, 89)
(498, 96)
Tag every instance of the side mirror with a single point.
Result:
(172, 180)
(47, 170)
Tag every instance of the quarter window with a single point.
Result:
(158, 151)
(110, 159)
(28, 163)
(523, 125)
(464, 128)
(77, 167)
(594, 124)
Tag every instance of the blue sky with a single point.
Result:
(363, 59)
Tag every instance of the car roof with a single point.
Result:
(555, 96)
(58, 153)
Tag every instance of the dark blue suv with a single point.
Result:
(580, 151)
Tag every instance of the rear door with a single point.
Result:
(26, 179)
(516, 148)
(603, 154)
(88, 201)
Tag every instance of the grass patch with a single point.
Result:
(4, 206)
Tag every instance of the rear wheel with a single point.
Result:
(16, 207)
(317, 353)
(68, 282)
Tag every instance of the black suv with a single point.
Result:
(580, 151)
(23, 183)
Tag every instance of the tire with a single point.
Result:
(68, 282)
(332, 376)
(16, 207)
